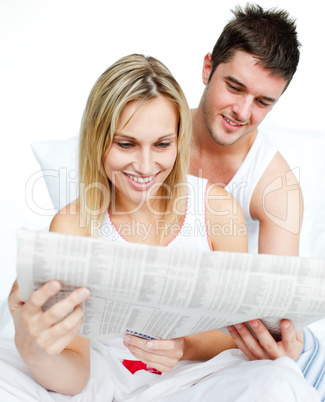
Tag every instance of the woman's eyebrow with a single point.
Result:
(124, 136)
(167, 136)
(128, 137)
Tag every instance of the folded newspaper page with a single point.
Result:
(161, 292)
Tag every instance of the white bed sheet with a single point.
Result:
(196, 381)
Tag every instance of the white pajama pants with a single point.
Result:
(228, 377)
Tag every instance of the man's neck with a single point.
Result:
(217, 163)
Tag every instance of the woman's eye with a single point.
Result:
(125, 145)
(163, 144)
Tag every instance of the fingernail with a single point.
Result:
(286, 325)
(127, 340)
(83, 293)
(230, 328)
(238, 326)
(149, 345)
(55, 286)
(254, 324)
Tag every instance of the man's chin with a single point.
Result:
(226, 140)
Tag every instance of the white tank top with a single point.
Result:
(192, 234)
(243, 184)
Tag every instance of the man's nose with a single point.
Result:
(243, 108)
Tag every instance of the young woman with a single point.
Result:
(134, 155)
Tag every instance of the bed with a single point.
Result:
(54, 184)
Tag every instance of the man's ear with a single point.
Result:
(207, 67)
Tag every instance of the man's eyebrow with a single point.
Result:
(235, 81)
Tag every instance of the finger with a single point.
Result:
(38, 298)
(171, 348)
(292, 342)
(14, 287)
(253, 344)
(153, 345)
(14, 299)
(164, 354)
(138, 349)
(162, 345)
(240, 343)
(55, 345)
(61, 309)
(66, 325)
(266, 340)
(159, 362)
(131, 340)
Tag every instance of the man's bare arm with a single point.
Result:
(278, 205)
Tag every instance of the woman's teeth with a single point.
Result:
(141, 180)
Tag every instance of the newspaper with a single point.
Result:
(158, 292)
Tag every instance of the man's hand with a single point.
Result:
(162, 355)
(265, 346)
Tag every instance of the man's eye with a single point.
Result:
(233, 88)
(125, 145)
(163, 144)
(262, 103)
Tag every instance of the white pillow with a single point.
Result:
(303, 150)
(59, 164)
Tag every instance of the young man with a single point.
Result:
(248, 70)
(250, 67)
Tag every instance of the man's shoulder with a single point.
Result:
(274, 186)
(278, 167)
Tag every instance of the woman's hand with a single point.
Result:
(162, 355)
(40, 334)
(265, 346)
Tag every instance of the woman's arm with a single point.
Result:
(47, 341)
(224, 213)
(57, 358)
(163, 355)
(227, 228)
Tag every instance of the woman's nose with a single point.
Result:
(144, 162)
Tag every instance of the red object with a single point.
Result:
(135, 365)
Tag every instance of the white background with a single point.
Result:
(52, 51)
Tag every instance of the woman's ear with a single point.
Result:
(207, 67)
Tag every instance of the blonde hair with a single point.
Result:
(132, 78)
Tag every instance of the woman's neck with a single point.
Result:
(145, 223)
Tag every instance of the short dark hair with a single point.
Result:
(269, 35)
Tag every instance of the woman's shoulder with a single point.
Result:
(194, 180)
(225, 221)
(221, 206)
(218, 199)
(68, 220)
